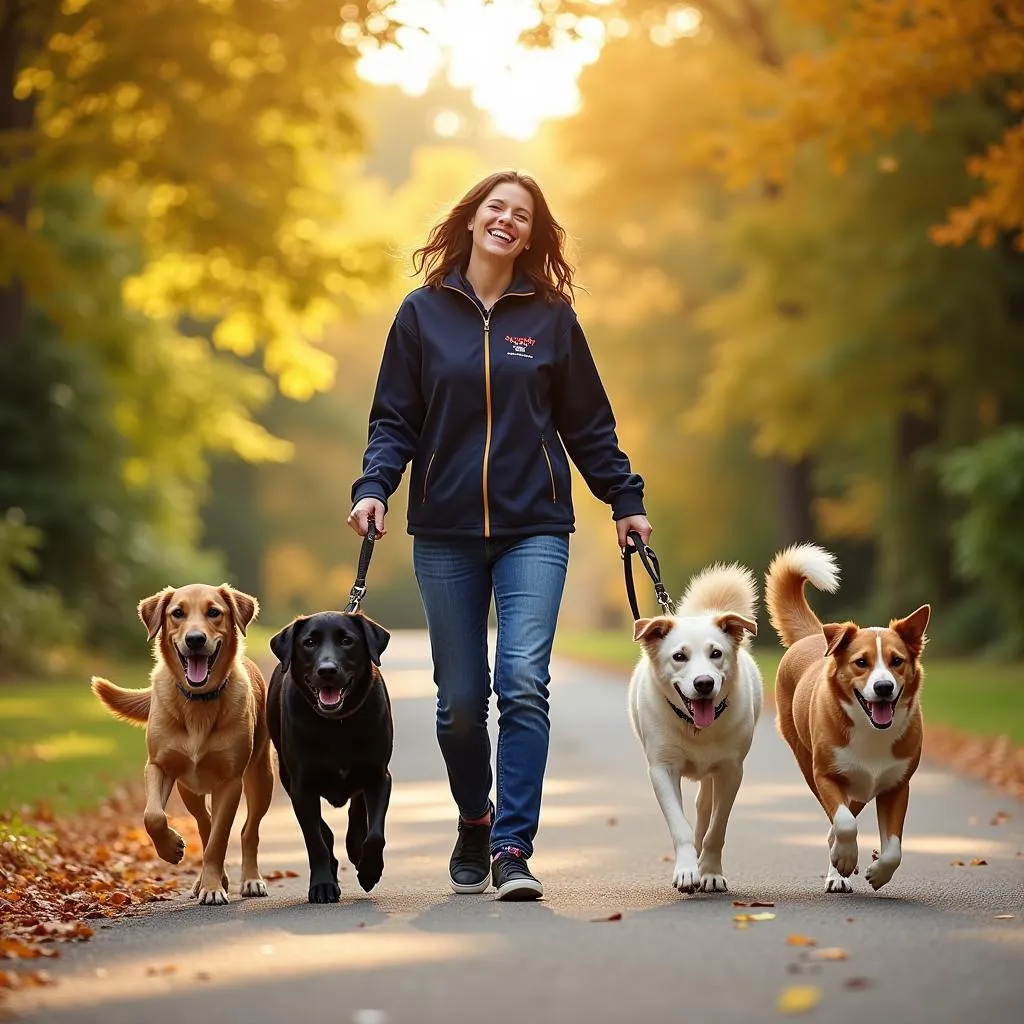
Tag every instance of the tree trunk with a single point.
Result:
(795, 493)
(16, 116)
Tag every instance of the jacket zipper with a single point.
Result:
(426, 476)
(551, 472)
(487, 392)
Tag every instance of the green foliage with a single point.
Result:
(36, 630)
(988, 477)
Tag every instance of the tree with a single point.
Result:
(215, 129)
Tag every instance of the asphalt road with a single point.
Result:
(929, 947)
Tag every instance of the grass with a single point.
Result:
(981, 698)
(59, 746)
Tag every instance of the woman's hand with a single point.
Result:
(639, 524)
(362, 510)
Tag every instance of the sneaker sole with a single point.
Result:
(520, 889)
(463, 889)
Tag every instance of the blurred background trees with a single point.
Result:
(799, 224)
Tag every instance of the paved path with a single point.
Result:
(930, 945)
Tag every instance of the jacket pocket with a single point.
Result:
(551, 469)
(426, 476)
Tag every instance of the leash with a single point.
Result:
(649, 560)
(358, 591)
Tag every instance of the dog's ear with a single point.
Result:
(243, 607)
(735, 626)
(152, 610)
(652, 629)
(838, 636)
(911, 629)
(377, 637)
(281, 643)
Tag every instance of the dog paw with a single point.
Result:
(686, 874)
(170, 846)
(324, 892)
(834, 882)
(843, 854)
(713, 883)
(254, 887)
(371, 863)
(879, 872)
(213, 897)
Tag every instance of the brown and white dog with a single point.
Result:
(205, 713)
(848, 705)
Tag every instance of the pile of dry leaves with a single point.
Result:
(59, 880)
(998, 762)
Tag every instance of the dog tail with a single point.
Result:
(790, 614)
(721, 588)
(128, 705)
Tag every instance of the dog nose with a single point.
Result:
(195, 640)
(327, 670)
(703, 685)
(884, 689)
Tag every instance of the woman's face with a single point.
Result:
(503, 222)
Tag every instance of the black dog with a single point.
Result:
(329, 715)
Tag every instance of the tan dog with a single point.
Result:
(205, 713)
(848, 706)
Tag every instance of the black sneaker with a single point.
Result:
(512, 877)
(468, 870)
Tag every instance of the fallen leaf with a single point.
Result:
(755, 903)
(613, 821)
(668, 860)
(1004, 917)
(295, 874)
(979, 862)
(611, 917)
(857, 984)
(203, 975)
(956, 863)
(850, 920)
(999, 818)
(799, 940)
(164, 969)
(829, 953)
(798, 999)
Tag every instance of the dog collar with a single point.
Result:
(208, 695)
(686, 718)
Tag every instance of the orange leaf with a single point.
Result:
(800, 940)
(798, 999)
(979, 862)
(611, 917)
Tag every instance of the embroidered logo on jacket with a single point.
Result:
(520, 346)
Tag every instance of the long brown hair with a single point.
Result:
(449, 243)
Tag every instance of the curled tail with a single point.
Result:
(721, 588)
(128, 705)
(790, 614)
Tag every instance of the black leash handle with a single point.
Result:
(358, 591)
(649, 561)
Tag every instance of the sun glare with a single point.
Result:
(476, 46)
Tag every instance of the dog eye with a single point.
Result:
(715, 654)
(897, 661)
(178, 613)
(347, 641)
(679, 656)
(213, 613)
(308, 642)
(861, 662)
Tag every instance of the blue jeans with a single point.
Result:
(456, 579)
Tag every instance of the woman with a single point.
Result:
(485, 376)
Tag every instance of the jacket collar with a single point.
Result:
(520, 284)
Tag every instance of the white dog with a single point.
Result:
(694, 699)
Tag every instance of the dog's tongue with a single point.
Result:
(329, 696)
(703, 711)
(198, 668)
(881, 711)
